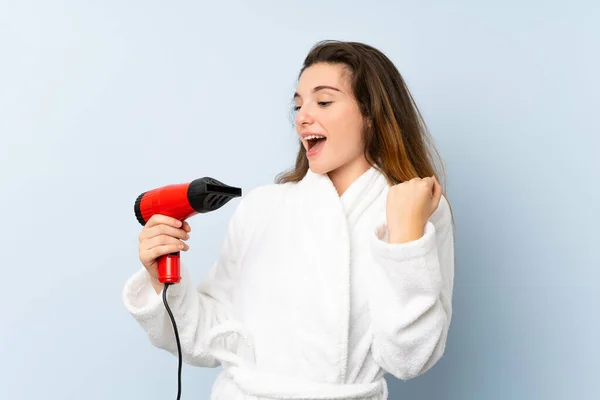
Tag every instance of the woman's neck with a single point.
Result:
(345, 175)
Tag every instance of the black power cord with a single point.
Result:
(176, 338)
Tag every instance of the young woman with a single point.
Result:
(338, 273)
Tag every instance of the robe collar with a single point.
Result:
(357, 197)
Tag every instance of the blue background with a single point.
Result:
(101, 100)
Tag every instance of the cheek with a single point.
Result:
(346, 129)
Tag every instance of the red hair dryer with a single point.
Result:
(181, 201)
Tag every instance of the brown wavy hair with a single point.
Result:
(398, 142)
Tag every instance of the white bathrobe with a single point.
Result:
(307, 299)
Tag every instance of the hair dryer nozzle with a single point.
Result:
(208, 194)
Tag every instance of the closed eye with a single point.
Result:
(321, 103)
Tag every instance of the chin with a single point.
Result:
(316, 170)
(320, 168)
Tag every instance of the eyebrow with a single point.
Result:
(317, 88)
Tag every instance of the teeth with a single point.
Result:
(311, 137)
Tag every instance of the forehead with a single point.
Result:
(322, 74)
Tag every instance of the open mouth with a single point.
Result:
(313, 141)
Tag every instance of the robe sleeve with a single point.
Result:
(411, 296)
(196, 309)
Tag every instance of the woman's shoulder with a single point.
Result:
(264, 197)
(266, 192)
(257, 207)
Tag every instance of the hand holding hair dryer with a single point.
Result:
(181, 201)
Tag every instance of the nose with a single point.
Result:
(303, 117)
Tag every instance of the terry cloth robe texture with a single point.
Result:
(308, 299)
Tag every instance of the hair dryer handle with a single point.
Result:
(168, 268)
